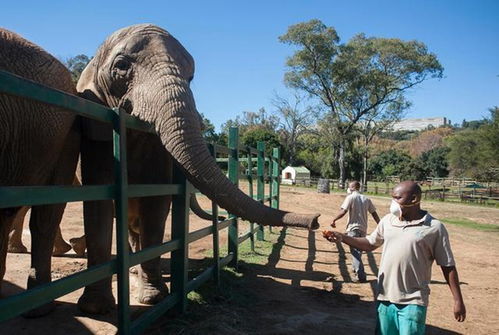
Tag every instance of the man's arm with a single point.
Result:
(340, 214)
(375, 216)
(452, 278)
(360, 243)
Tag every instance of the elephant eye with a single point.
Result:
(121, 66)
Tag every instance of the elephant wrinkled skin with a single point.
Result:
(39, 145)
(145, 71)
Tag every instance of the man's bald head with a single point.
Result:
(354, 185)
(408, 190)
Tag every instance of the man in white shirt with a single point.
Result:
(357, 206)
(412, 239)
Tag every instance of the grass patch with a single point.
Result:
(472, 225)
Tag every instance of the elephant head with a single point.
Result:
(146, 71)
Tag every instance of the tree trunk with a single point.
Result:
(341, 163)
(364, 173)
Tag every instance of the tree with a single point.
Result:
(389, 163)
(76, 65)
(434, 162)
(253, 136)
(380, 119)
(475, 152)
(295, 119)
(249, 120)
(354, 80)
(208, 131)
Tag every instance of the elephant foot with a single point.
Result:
(17, 249)
(96, 303)
(61, 249)
(79, 245)
(150, 294)
(40, 311)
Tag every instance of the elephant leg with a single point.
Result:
(79, 245)
(133, 240)
(153, 213)
(60, 246)
(15, 238)
(7, 218)
(45, 220)
(96, 168)
(43, 225)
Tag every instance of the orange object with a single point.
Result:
(327, 234)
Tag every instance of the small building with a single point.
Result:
(292, 174)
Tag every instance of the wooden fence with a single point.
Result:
(442, 189)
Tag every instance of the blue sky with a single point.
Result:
(240, 62)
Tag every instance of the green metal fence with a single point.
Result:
(120, 191)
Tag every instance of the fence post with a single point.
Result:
(276, 158)
(214, 222)
(260, 185)
(180, 231)
(250, 193)
(121, 202)
(269, 174)
(234, 177)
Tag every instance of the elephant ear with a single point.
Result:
(88, 88)
(87, 84)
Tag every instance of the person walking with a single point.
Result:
(357, 206)
(412, 239)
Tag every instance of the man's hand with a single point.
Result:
(333, 224)
(459, 311)
(332, 236)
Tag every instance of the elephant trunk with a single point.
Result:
(179, 128)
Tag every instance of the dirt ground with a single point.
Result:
(305, 287)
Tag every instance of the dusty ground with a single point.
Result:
(305, 286)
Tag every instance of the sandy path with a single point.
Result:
(305, 287)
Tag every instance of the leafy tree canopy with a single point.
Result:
(76, 65)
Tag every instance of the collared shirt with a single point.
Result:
(408, 253)
(357, 206)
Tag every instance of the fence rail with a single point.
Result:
(443, 189)
(120, 191)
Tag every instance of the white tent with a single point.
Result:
(292, 174)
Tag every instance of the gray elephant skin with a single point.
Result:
(39, 145)
(147, 72)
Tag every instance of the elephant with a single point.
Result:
(39, 145)
(15, 242)
(146, 72)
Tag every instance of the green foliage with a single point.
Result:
(475, 152)
(399, 135)
(434, 162)
(208, 132)
(249, 120)
(76, 65)
(252, 136)
(389, 163)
